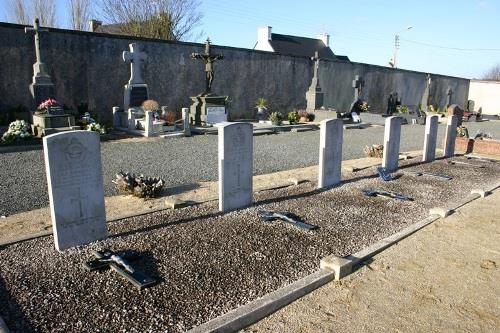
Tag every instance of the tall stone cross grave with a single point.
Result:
(41, 87)
(208, 108)
(314, 95)
(136, 91)
(357, 84)
(449, 93)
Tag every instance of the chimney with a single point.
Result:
(94, 24)
(325, 38)
(264, 34)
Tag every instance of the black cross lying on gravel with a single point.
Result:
(465, 163)
(287, 217)
(118, 262)
(387, 194)
(419, 173)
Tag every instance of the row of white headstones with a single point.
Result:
(75, 183)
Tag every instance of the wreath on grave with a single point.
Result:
(46, 105)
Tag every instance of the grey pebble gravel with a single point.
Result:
(188, 160)
(209, 263)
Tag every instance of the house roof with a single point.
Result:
(115, 29)
(302, 46)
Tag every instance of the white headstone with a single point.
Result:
(450, 136)
(392, 134)
(131, 119)
(431, 127)
(148, 128)
(74, 177)
(185, 122)
(330, 152)
(235, 165)
(116, 117)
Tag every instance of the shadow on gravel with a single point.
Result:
(12, 313)
(164, 225)
(180, 189)
(5, 149)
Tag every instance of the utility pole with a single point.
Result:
(393, 63)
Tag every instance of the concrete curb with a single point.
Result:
(3, 326)
(252, 312)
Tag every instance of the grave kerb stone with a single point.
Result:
(76, 193)
(392, 136)
(235, 165)
(430, 140)
(185, 122)
(450, 136)
(330, 152)
(148, 128)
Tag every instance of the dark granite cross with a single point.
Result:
(209, 59)
(357, 84)
(40, 68)
(118, 262)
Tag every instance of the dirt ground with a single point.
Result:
(444, 278)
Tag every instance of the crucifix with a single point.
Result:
(135, 57)
(39, 67)
(209, 59)
(119, 262)
(357, 84)
(316, 59)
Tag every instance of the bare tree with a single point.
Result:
(81, 12)
(493, 73)
(19, 12)
(45, 10)
(164, 19)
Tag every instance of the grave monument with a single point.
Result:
(136, 90)
(42, 88)
(208, 108)
(314, 95)
(76, 193)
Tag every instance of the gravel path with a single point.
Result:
(209, 262)
(189, 160)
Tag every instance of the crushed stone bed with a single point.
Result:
(209, 263)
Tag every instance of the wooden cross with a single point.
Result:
(209, 59)
(37, 30)
(134, 57)
(357, 84)
(118, 262)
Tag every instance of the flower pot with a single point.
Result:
(262, 113)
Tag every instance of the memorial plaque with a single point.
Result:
(138, 95)
(55, 110)
(74, 177)
(216, 114)
(235, 166)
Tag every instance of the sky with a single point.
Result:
(459, 38)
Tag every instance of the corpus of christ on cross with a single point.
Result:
(209, 59)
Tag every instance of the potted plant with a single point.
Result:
(293, 117)
(276, 118)
(261, 105)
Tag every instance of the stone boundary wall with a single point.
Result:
(87, 68)
(485, 96)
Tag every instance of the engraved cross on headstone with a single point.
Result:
(357, 84)
(209, 59)
(39, 67)
(79, 199)
(135, 57)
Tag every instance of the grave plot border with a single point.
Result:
(331, 268)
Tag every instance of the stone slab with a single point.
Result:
(235, 165)
(440, 211)
(330, 152)
(76, 194)
(481, 192)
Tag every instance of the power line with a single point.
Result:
(449, 47)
